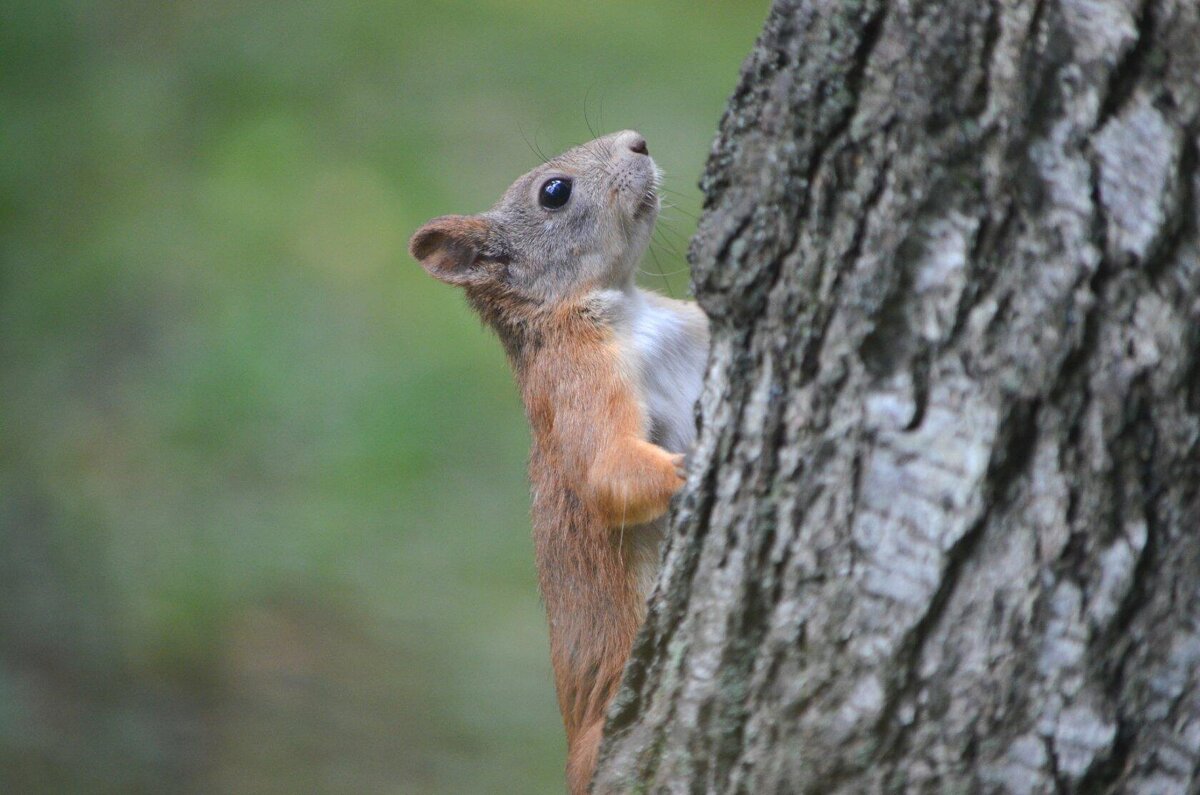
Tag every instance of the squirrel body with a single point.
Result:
(609, 375)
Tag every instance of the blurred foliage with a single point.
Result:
(262, 495)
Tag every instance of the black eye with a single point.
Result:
(554, 193)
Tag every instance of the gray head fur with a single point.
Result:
(520, 251)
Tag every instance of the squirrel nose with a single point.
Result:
(634, 140)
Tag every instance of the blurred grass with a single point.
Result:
(262, 495)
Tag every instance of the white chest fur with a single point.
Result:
(664, 343)
(668, 347)
(665, 347)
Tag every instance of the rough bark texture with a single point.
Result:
(942, 531)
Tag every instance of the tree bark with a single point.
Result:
(942, 530)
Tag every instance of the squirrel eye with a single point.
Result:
(554, 193)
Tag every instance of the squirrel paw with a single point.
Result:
(680, 460)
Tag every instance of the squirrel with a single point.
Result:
(609, 375)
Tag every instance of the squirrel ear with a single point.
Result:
(449, 247)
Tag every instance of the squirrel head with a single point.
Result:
(578, 222)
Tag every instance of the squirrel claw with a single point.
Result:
(680, 460)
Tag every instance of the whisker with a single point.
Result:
(680, 210)
(532, 147)
(663, 273)
(645, 272)
(691, 192)
(585, 113)
(666, 281)
(668, 273)
(667, 228)
(662, 241)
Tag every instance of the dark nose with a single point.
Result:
(638, 145)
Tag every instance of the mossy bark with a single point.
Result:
(942, 530)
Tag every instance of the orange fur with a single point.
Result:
(593, 475)
(528, 270)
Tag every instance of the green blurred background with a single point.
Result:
(263, 509)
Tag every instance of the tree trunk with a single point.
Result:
(942, 531)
